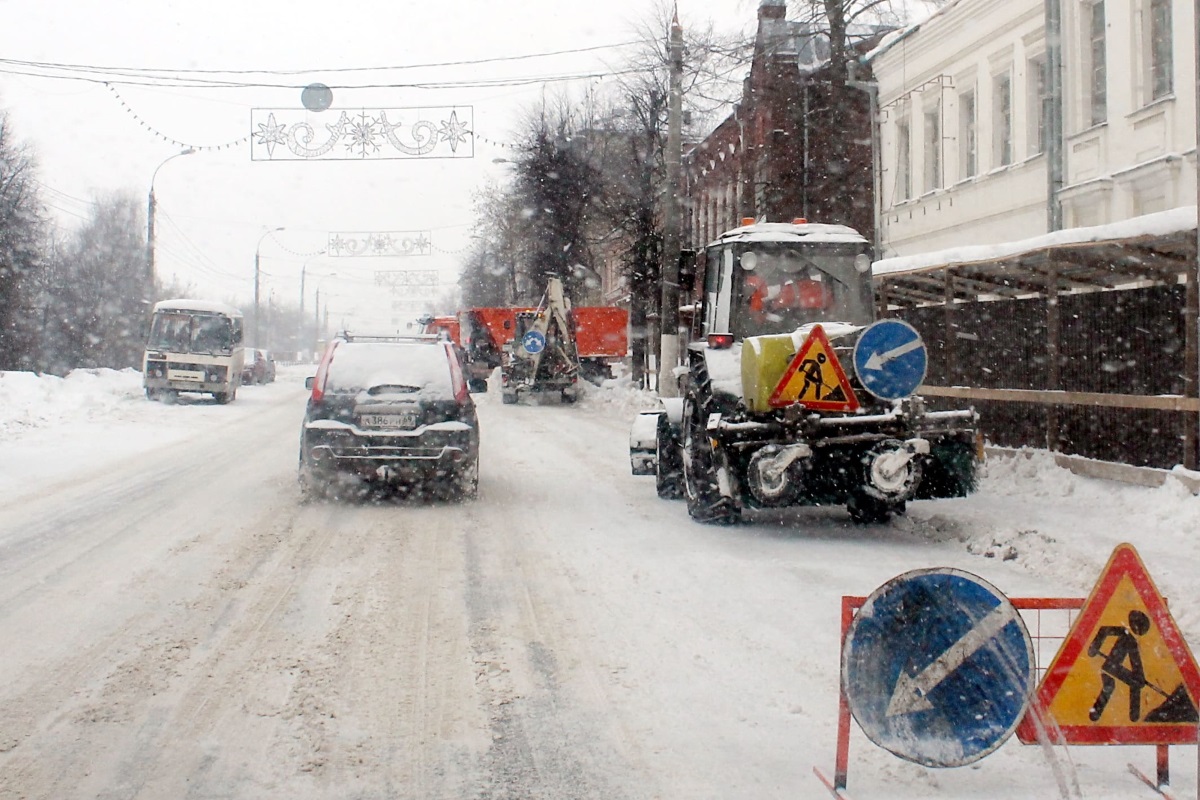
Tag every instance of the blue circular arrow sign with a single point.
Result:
(534, 342)
(938, 667)
(890, 359)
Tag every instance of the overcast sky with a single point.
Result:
(215, 205)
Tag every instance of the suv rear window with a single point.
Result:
(359, 366)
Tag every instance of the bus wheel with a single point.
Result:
(225, 397)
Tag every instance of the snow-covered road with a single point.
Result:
(177, 624)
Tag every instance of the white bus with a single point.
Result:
(194, 346)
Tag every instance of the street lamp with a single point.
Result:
(317, 327)
(257, 275)
(303, 272)
(151, 210)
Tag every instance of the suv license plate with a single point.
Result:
(404, 421)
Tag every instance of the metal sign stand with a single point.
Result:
(837, 784)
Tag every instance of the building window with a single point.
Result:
(903, 162)
(1039, 97)
(933, 148)
(1002, 122)
(968, 161)
(1097, 68)
(1161, 79)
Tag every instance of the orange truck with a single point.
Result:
(447, 324)
(486, 334)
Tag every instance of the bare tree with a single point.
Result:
(493, 261)
(634, 142)
(590, 177)
(557, 185)
(23, 230)
(99, 298)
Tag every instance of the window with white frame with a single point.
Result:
(1002, 119)
(933, 146)
(1160, 79)
(1038, 85)
(968, 146)
(1097, 68)
(903, 161)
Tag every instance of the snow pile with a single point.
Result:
(30, 401)
(619, 395)
(1062, 527)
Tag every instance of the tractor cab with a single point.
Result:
(772, 278)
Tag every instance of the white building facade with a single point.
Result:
(962, 120)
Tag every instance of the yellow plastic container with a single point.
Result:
(764, 360)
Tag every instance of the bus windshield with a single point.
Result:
(184, 332)
(782, 285)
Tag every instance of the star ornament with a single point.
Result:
(271, 133)
(453, 131)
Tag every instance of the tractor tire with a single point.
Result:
(508, 397)
(668, 467)
(701, 463)
(867, 510)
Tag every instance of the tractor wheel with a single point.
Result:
(701, 463)
(668, 468)
(867, 510)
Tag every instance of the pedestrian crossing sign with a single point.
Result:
(1124, 674)
(815, 379)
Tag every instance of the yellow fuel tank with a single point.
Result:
(764, 360)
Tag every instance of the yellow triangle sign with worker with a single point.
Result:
(815, 379)
(1124, 674)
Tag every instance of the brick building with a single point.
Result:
(775, 157)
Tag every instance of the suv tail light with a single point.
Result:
(461, 391)
(720, 341)
(318, 387)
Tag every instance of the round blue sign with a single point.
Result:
(534, 342)
(938, 667)
(890, 359)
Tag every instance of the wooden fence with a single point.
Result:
(1120, 372)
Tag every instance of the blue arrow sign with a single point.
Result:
(938, 667)
(890, 359)
(534, 342)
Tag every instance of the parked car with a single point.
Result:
(389, 411)
(254, 370)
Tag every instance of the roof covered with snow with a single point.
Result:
(206, 306)
(1154, 247)
(791, 232)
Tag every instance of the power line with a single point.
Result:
(214, 268)
(210, 84)
(165, 72)
(100, 76)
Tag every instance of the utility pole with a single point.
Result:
(669, 318)
(1052, 113)
(1191, 456)
(258, 282)
(151, 214)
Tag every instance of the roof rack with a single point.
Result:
(385, 337)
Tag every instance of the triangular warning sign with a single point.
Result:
(815, 378)
(1124, 674)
